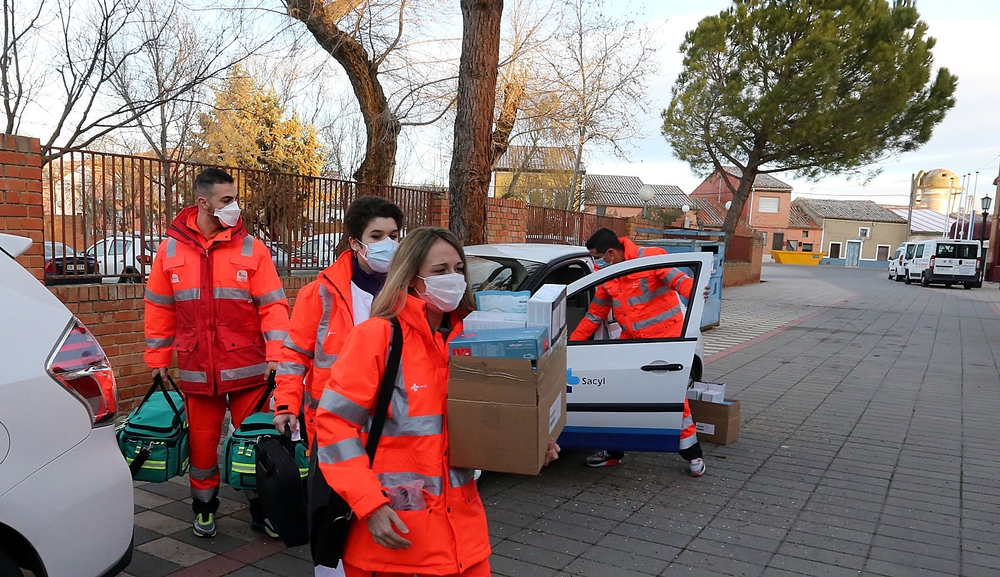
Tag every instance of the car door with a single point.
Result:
(629, 394)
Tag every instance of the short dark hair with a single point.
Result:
(603, 239)
(208, 178)
(366, 209)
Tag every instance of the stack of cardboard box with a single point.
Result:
(717, 419)
(507, 392)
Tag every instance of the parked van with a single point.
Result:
(947, 261)
(900, 260)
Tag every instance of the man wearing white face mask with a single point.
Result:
(327, 309)
(214, 296)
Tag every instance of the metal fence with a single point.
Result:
(555, 226)
(106, 214)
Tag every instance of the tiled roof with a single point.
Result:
(797, 218)
(665, 195)
(925, 220)
(711, 212)
(761, 181)
(860, 210)
(537, 159)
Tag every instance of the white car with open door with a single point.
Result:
(628, 394)
(622, 394)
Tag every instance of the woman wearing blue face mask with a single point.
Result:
(327, 309)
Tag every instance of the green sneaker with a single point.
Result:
(204, 525)
(264, 526)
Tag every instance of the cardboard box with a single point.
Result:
(717, 423)
(487, 321)
(713, 397)
(503, 301)
(525, 343)
(502, 412)
(547, 308)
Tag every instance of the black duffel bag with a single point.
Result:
(279, 483)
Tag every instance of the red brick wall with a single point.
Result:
(114, 313)
(439, 211)
(21, 196)
(506, 220)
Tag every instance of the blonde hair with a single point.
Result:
(405, 267)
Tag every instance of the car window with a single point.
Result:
(118, 246)
(57, 250)
(949, 250)
(152, 244)
(651, 303)
(499, 273)
(576, 305)
(910, 250)
(920, 251)
(97, 250)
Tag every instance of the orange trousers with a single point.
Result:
(478, 570)
(205, 414)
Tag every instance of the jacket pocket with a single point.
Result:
(233, 339)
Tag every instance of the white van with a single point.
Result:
(901, 260)
(947, 261)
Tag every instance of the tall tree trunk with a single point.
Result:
(469, 178)
(381, 124)
(740, 196)
(513, 92)
(574, 183)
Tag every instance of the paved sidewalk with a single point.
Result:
(866, 448)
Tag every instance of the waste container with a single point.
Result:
(698, 241)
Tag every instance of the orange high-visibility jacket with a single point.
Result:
(219, 303)
(322, 319)
(645, 303)
(450, 534)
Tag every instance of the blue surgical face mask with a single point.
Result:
(379, 254)
(600, 263)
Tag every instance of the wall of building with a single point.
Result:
(885, 233)
(21, 196)
(805, 236)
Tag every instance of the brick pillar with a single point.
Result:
(21, 196)
(506, 220)
(439, 210)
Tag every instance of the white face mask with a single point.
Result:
(228, 214)
(444, 291)
(379, 254)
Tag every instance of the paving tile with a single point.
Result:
(159, 523)
(175, 551)
(218, 544)
(507, 567)
(533, 555)
(286, 565)
(556, 543)
(213, 567)
(170, 490)
(149, 500)
(716, 565)
(146, 565)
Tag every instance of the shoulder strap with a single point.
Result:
(385, 389)
(158, 384)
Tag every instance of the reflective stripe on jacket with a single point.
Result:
(645, 303)
(450, 534)
(322, 319)
(219, 303)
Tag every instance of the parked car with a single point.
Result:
(619, 397)
(66, 505)
(125, 258)
(901, 260)
(948, 262)
(63, 265)
(285, 258)
(323, 247)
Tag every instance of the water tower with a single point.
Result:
(938, 190)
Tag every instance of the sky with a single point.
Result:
(966, 141)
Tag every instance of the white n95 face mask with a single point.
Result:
(444, 291)
(229, 214)
(379, 254)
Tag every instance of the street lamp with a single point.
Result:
(687, 220)
(646, 193)
(986, 200)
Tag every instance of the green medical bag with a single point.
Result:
(154, 437)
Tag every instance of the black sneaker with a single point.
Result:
(264, 526)
(605, 459)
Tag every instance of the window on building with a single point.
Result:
(768, 204)
(864, 232)
(807, 247)
(602, 211)
(805, 234)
